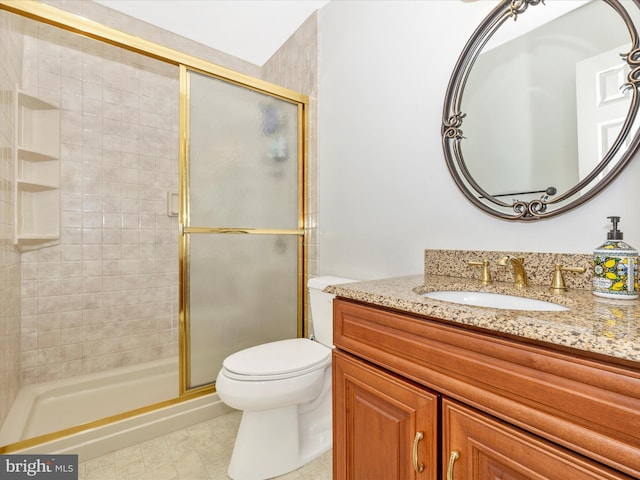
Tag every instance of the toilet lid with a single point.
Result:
(278, 358)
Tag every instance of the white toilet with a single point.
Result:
(284, 391)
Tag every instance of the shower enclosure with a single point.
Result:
(242, 221)
(180, 238)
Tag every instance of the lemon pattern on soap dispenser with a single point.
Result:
(615, 267)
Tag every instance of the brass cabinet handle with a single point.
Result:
(452, 459)
(418, 467)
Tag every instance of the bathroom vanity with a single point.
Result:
(431, 389)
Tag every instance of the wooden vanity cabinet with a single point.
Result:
(510, 410)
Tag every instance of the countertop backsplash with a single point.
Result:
(539, 266)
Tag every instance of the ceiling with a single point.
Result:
(252, 30)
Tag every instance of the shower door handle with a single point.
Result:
(258, 231)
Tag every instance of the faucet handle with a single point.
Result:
(485, 276)
(557, 281)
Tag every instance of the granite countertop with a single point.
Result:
(593, 324)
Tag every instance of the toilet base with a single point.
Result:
(274, 442)
(266, 445)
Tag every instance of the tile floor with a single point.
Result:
(199, 452)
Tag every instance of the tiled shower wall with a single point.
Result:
(10, 70)
(93, 301)
(106, 296)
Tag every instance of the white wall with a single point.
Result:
(384, 189)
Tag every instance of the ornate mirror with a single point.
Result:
(541, 110)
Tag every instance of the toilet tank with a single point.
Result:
(322, 307)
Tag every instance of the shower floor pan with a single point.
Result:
(53, 406)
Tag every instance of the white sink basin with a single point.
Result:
(496, 300)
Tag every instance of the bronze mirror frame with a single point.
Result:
(589, 186)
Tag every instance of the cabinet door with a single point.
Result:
(478, 447)
(385, 427)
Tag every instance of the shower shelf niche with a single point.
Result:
(37, 172)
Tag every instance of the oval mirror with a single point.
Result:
(541, 110)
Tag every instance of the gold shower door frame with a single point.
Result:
(185, 219)
(50, 15)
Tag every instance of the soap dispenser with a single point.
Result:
(615, 267)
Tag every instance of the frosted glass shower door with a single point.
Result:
(242, 228)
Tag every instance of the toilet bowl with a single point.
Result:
(284, 391)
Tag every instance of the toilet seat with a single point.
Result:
(277, 360)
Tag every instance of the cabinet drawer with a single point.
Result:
(477, 447)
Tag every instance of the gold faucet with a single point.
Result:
(519, 273)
